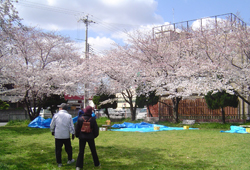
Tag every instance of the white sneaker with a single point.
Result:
(98, 165)
(70, 162)
(59, 165)
(77, 168)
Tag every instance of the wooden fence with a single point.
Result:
(196, 109)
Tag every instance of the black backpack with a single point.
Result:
(86, 126)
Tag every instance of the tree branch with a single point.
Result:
(165, 104)
(237, 94)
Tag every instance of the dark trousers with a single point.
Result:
(68, 148)
(82, 144)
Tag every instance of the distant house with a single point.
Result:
(76, 102)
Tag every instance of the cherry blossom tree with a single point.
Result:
(184, 62)
(159, 64)
(9, 19)
(227, 46)
(119, 72)
(40, 63)
(197, 61)
(166, 66)
(180, 63)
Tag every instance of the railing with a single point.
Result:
(188, 26)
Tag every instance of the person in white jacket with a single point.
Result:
(61, 127)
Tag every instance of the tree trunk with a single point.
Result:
(33, 113)
(149, 113)
(107, 112)
(132, 111)
(128, 97)
(52, 110)
(223, 115)
(176, 101)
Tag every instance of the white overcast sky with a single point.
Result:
(113, 17)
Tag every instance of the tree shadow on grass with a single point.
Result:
(23, 130)
(35, 156)
(118, 157)
(42, 156)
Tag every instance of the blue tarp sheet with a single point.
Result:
(236, 129)
(40, 122)
(143, 127)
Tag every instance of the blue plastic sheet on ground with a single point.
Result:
(143, 127)
(40, 122)
(75, 119)
(236, 129)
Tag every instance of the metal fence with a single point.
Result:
(187, 26)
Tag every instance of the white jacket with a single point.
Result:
(62, 125)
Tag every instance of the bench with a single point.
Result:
(107, 125)
(245, 126)
(188, 122)
(152, 119)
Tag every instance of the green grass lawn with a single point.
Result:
(27, 148)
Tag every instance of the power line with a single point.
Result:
(46, 7)
(113, 26)
(108, 26)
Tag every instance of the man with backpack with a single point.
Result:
(86, 130)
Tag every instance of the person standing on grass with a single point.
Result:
(87, 137)
(93, 113)
(80, 112)
(61, 126)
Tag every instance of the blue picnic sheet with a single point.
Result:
(40, 122)
(236, 129)
(143, 127)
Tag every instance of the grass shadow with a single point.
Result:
(36, 156)
(22, 130)
(118, 157)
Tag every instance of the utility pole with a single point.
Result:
(86, 85)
